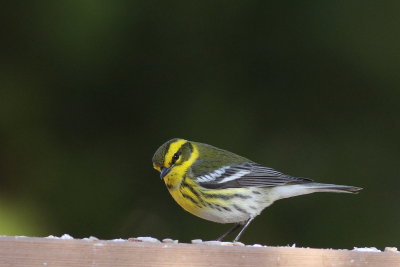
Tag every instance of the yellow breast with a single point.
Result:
(187, 200)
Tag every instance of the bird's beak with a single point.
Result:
(164, 171)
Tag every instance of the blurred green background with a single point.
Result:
(90, 89)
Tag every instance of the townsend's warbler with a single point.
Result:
(222, 187)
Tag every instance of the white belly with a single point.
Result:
(240, 209)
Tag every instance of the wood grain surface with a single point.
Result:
(30, 251)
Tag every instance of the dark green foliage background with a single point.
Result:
(89, 90)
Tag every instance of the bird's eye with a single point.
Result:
(175, 157)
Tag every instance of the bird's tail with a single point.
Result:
(318, 187)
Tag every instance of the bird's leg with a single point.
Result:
(242, 230)
(234, 228)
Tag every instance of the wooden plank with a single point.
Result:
(45, 252)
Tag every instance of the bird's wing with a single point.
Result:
(247, 174)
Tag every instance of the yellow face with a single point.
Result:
(173, 155)
(173, 160)
(168, 154)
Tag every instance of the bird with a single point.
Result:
(220, 186)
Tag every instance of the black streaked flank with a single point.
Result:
(227, 196)
(191, 199)
(240, 209)
(184, 184)
(219, 207)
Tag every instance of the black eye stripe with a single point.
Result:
(176, 157)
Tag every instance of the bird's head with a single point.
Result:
(172, 154)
